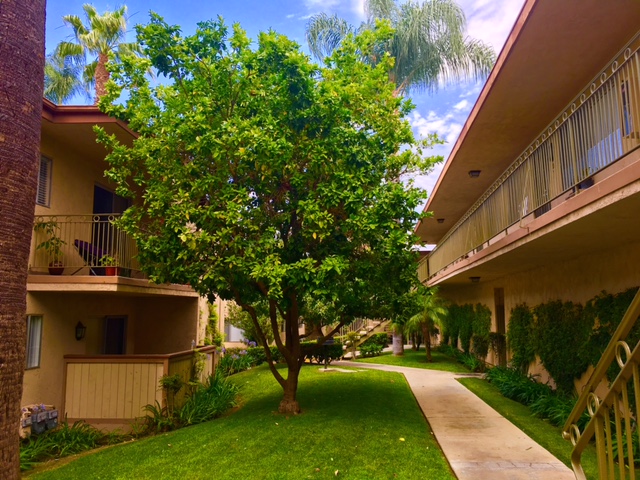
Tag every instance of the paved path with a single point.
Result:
(479, 443)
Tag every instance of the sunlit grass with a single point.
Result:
(364, 425)
(418, 359)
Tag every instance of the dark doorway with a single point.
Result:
(115, 335)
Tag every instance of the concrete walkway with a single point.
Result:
(478, 442)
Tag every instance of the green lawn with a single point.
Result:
(541, 431)
(419, 360)
(364, 425)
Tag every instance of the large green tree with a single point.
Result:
(258, 176)
(429, 44)
(63, 79)
(21, 66)
(102, 36)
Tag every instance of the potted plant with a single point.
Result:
(52, 245)
(110, 264)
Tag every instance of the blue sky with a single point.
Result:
(443, 112)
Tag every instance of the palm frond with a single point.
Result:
(325, 33)
(62, 79)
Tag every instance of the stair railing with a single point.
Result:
(613, 415)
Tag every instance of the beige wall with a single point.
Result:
(154, 325)
(73, 178)
(577, 280)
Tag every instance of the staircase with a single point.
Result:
(365, 328)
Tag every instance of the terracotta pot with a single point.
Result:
(56, 268)
(111, 271)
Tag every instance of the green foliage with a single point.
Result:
(206, 401)
(452, 325)
(381, 339)
(370, 350)
(497, 343)
(61, 442)
(481, 325)
(52, 243)
(235, 361)
(259, 176)
(241, 319)
(465, 324)
(520, 337)
(604, 312)
(318, 353)
(542, 399)
(213, 336)
(471, 362)
(559, 333)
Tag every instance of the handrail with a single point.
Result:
(599, 126)
(616, 399)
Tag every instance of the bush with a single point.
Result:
(465, 323)
(481, 326)
(63, 441)
(371, 350)
(315, 352)
(520, 337)
(234, 360)
(207, 401)
(559, 334)
(381, 339)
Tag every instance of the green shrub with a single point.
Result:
(209, 400)
(234, 360)
(381, 339)
(559, 334)
(318, 353)
(371, 350)
(481, 327)
(452, 325)
(520, 337)
(61, 442)
(465, 322)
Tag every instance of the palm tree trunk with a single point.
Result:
(22, 80)
(427, 342)
(102, 76)
(397, 344)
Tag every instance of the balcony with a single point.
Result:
(579, 147)
(82, 245)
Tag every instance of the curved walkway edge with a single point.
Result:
(478, 442)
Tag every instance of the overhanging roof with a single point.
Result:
(72, 126)
(554, 50)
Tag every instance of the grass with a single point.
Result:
(418, 359)
(539, 430)
(364, 425)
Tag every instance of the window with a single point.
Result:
(34, 340)
(43, 196)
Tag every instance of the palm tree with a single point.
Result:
(431, 316)
(103, 35)
(429, 45)
(21, 67)
(62, 79)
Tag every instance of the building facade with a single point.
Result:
(539, 198)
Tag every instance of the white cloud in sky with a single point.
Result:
(491, 20)
(462, 105)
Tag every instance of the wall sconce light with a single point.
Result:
(474, 173)
(80, 331)
(440, 220)
(474, 279)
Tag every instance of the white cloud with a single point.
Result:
(462, 105)
(291, 15)
(491, 20)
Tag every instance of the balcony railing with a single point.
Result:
(601, 125)
(82, 245)
(614, 413)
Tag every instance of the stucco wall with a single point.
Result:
(154, 325)
(577, 280)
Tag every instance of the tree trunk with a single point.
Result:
(102, 77)
(427, 343)
(289, 404)
(21, 78)
(398, 344)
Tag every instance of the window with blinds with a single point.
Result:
(44, 182)
(34, 340)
